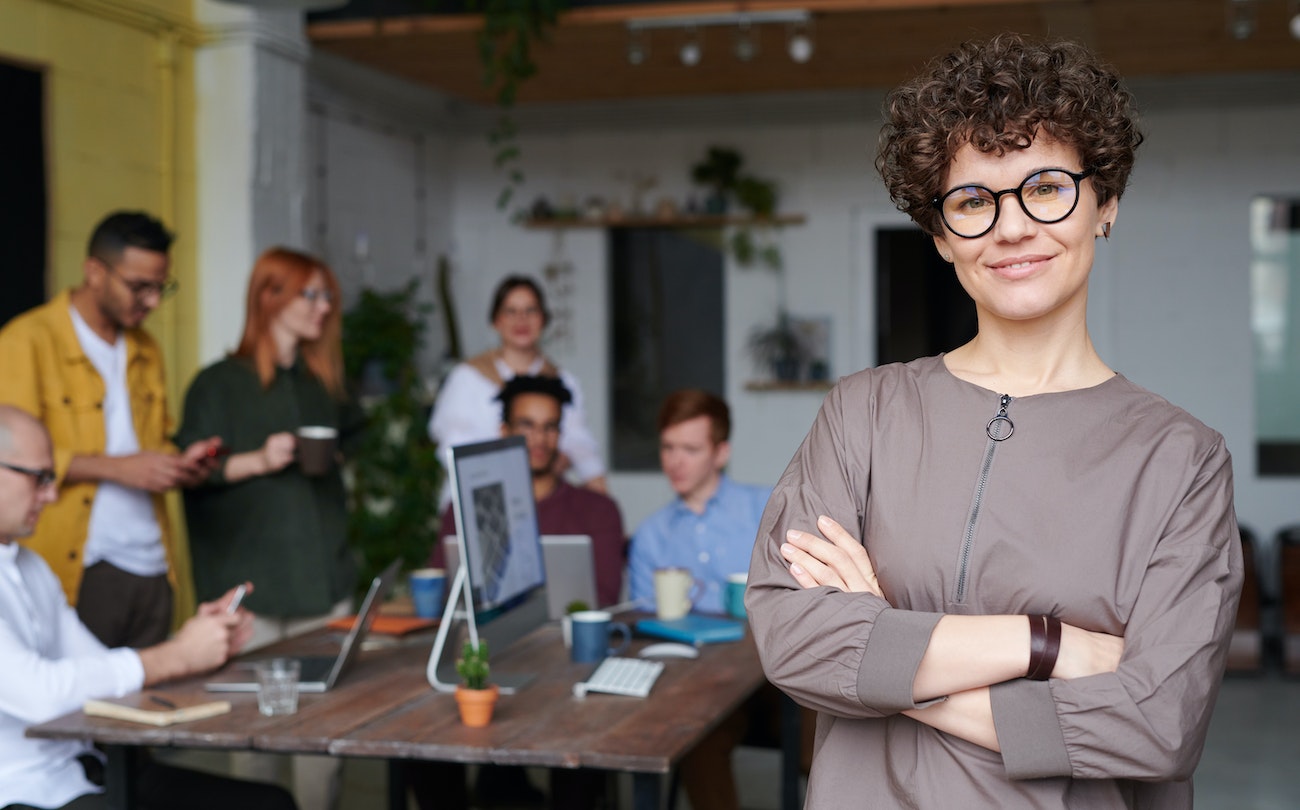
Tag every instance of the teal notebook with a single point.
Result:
(693, 629)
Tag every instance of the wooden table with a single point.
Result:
(385, 708)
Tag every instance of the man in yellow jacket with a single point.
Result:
(83, 365)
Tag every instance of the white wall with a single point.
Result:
(1170, 298)
(1170, 304)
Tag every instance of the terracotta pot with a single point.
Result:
(476, 705)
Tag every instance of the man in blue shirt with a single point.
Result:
(709, 528)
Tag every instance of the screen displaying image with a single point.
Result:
(497, 520)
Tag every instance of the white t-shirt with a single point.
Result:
(123, 528)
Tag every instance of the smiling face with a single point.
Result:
(1023, 270)
(303, 318)
(520, 320)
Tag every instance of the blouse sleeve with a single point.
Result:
(576, 440)
(205, 414)
(847, 654)
(465, 411)
(1147, 720)
(34, 688)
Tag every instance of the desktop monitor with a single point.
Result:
(496, 521)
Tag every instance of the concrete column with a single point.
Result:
(251, 163)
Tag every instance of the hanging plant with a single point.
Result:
(505, 46)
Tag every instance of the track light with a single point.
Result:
(638, 47)
(799, 41)
(746, 42)
(1241, 18)
(1294, 8)
(692, 50)
(745, 46)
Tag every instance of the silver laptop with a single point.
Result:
(320, 673)
(570, 570)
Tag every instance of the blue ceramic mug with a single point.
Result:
(591, 631)
(734, 596)
(428, 587)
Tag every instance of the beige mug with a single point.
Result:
(674, 592)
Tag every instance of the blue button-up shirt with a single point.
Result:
(712, 545)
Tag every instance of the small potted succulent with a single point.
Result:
(475, 696)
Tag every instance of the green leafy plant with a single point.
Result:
(576, 606)
(472, 666)
(394, 476)
(779, 349)
(505, 46)
(720, 170)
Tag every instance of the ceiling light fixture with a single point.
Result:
(746, 23)
(1241, 18)
(692, 50)
(1294, 8)
(638, 47)
(746, 42)
(799, 41)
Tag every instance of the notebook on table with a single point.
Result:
(320, 673)
(693, 629)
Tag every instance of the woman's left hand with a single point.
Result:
(839, 560)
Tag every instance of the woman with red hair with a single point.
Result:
(259, 517)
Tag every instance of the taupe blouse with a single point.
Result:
(1107, 507)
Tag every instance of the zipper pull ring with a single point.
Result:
(995, 426)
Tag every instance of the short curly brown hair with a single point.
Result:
(998, 95)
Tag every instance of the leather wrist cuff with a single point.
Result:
(1044, 646)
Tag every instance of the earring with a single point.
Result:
(946, 257)
(1105, 231)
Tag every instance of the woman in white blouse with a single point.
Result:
(467, 410)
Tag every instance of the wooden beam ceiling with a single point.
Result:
(859, 44)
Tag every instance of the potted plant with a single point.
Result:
(475, 697)
(779, 349)
(393, 476)
(719, 170)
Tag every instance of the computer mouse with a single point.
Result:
(670, 649)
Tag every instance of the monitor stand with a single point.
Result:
(436, 670)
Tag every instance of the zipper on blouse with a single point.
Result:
(995, 431)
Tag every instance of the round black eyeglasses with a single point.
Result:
(1045, 196)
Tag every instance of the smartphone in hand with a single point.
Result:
(236, 599)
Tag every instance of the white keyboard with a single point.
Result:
(621, 676)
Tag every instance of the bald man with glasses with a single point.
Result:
(52, 664)
(85, 367)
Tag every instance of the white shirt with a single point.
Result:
(49, 665)
(467, 411)
(123, 528)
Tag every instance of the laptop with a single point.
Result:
(570, 570)
(570, 573)
(320, 673)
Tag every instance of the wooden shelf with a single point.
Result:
(779, 385)
(685, 221)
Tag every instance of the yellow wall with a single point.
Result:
(119, 101)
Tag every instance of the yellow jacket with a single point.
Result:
(44, 371)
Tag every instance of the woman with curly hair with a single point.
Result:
(1005, 576)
